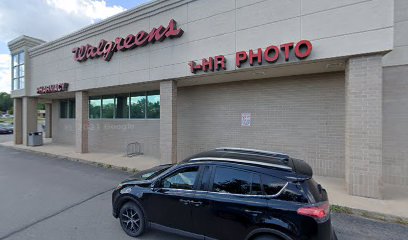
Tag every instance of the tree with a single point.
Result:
(6, 103)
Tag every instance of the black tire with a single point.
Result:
(267, 237)
(131, 219)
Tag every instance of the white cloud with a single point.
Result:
(5, 73)
(50, 19)
(47, 20)
(92, 9)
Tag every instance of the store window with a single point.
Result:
(67, 108)
(108, 107)
(153, 104)
(122, 106)
(138, 105)
(18, 74)
(95, 108)
(63, 109)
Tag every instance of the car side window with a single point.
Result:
(234, 181)
(272, 185)
(256, 188)
(182, 179)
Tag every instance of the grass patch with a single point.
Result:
(99, 164)
(402, 221)
(124, 169)
(341, 209)
(6, 120)
(108, 166)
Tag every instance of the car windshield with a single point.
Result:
(151, 173)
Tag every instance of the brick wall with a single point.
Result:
(302, 116)
(395, 125)
(363, 135)
(114, 135)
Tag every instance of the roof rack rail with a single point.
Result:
(253, 151)
(241, 161)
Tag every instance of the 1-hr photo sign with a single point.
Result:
(272, 54)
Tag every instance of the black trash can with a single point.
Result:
(35, 139)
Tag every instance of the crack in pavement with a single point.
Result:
(53, 215)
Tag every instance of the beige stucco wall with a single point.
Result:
(212, 27)
(302, 116)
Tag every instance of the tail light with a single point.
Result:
(320, 212)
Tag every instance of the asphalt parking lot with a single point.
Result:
(48, 198)
(6, 137)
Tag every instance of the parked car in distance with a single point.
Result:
(6, 129)
(227, 194)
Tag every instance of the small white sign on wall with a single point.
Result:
(245, 119)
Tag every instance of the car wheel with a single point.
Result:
(131, 219)
(267, 237)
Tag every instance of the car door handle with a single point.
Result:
(197, 204)
(252, 212)
(185, 202)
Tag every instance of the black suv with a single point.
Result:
(227, 193)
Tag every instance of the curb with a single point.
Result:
(334, 208)
(388, 218)
(52, 155)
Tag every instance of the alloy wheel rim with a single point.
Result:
(131, 220)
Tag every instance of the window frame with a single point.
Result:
(17, 81)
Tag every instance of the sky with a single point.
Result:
(49, 20)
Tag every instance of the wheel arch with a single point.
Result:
(128, 198)
(270, 231)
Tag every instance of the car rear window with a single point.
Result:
(272, 185)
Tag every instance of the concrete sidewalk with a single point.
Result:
(115, 160)
(395, 204)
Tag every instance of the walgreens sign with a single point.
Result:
(106, 49)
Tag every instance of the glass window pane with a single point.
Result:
(272, 185)
(63, 109)
(138, 105)
(21, 83)
(256, 185)
(95, 108)
(228, 180)
(153, 104)
(183, 179)
(71, 108)
(15, 83)
(122, 106)
(15, 60)
(21, 72)
(15, 72)
(108, 107)
(21, 58)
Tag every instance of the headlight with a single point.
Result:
(119, 186)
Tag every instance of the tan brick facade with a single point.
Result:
(363, 153)
(302, 116)
(81, 122)
(168, 122)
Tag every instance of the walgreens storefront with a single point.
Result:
(180, 77)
